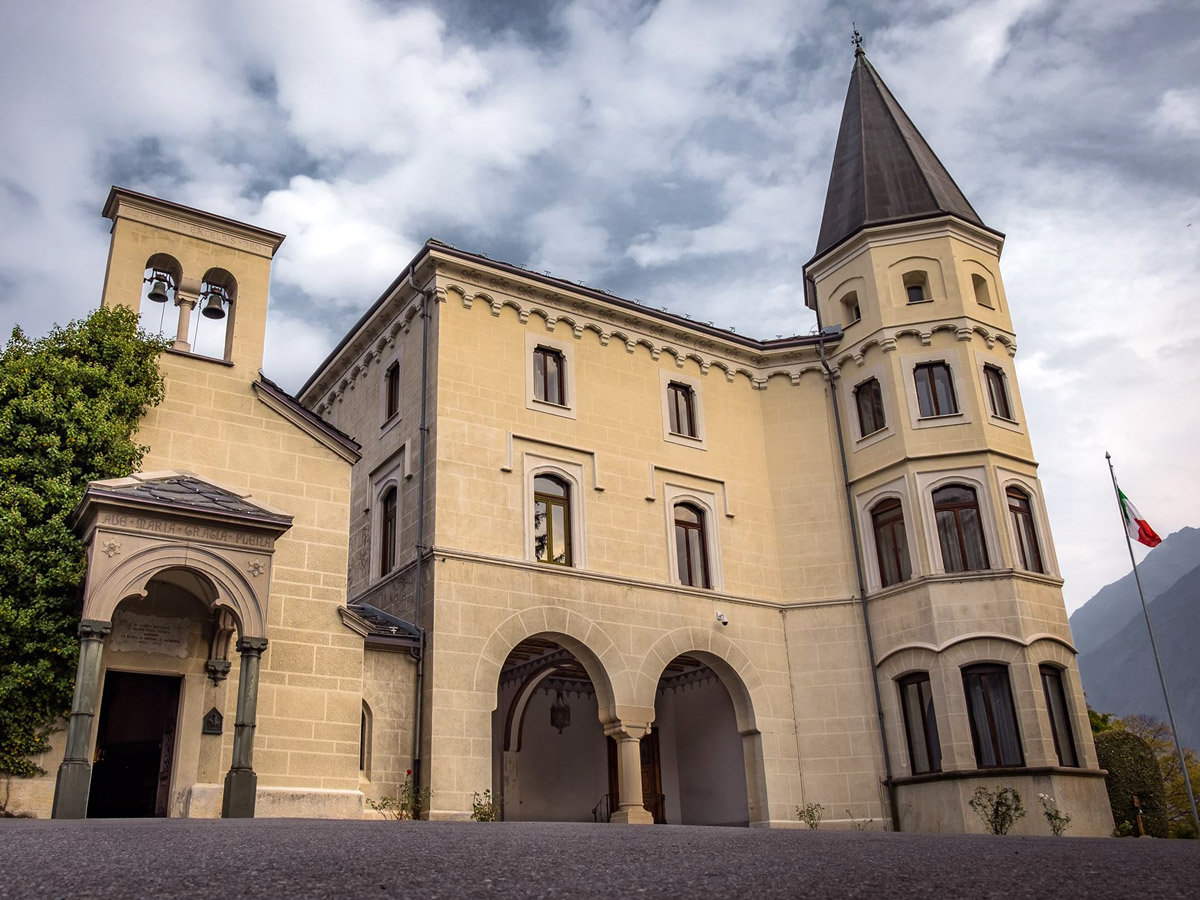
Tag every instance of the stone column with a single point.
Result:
(187, 295)
(630, 810)
(241, 784)
(75, 774)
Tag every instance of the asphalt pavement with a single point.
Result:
(294, 859)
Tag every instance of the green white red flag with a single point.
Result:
(1136, 527)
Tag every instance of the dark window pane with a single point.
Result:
(891, 543)
(1021, 514)
(392, 390)
(691, 546)
(539, 374)
(944, 390)
(935, 389)
(541, 531)
(681, 409)
(869, 398)
(972, 538)
(952, 557)
(993, 716)
(916, 293)
(1060, 723)
(925, 392)
(920, 724)
(387, 533)
(960, 531)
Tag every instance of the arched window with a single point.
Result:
(891, 543)
(1060, 722)
(1021, 513)
(993, 716)
(387, 532)
(960, 529)
(916, 287)
(920, 724)
(997, 389)
(391, 391)
(982, 296)
(851, 311)
(552, 520)
(691, 545)
(364, 741)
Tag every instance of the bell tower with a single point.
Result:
(205, 275)
(972, 651)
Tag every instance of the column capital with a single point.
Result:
(94, 629)
(627, 731)
(251, 645)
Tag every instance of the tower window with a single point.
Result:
(868, 397)
(997, 388)
(681, 408)
(920, 724)
(1021, 513)
(935, 389)
(916, 286)
(960, 530)
(1060, 723)
(691, 545)
(891, 542)
(993, 716)
(549, 376)
(552, 520)
(982, 295)
(387, 532)
(391, 390)
(851, 312)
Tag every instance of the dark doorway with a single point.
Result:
(135, 746)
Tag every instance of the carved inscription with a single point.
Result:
(136, 633)
(185, 530)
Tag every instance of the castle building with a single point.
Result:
(611, 563)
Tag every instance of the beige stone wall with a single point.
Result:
(388, 683)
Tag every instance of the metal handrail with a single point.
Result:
(603, 808)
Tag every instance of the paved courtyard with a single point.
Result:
(285, 859)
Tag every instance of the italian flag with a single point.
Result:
(1136, 527)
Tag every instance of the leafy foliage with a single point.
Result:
(1132, 772)
(69, 406)
(811, 814)
(406, 806)
(1000, 809)
(1161, 738)
(485, 807)
(1059, 821)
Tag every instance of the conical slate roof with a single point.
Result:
(883, 170)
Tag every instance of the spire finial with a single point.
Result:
(857, 40)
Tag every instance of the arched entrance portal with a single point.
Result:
(550, 756)
(699, 747)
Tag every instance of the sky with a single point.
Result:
(676, 152)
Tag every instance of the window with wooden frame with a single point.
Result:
(960, 529)
(935, 389)
(391, 391)
(920, 724)
(997, 390)
(691, 545)
(681, 409)
(549, 376)
(552, 520)
(387, 532)
(1060, 722)
(993, 716)
(868, 398)
(1020, 511)
(891, 542)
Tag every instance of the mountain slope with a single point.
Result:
(1116, 604)
(1119, 674)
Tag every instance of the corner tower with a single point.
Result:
(973, 654)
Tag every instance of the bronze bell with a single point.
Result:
(158, 291)
(213, 307)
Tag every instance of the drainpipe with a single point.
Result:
(811, 287)
(423, 431)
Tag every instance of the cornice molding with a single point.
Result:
(184, 220)
(310, 428)
(964, 328)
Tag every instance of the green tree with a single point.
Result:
(1161, 738)
(69, 406)
(1132, 772)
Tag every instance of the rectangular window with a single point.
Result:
(891, 543)
(681, 407)
(993, 717)
(549, 376)
(1060, 723)
(920, 724)
(997, 389)
(935, 390)
(391, 391)
(387, 533)
(868, 396)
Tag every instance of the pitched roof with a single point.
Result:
(184, 491)
(883, 170)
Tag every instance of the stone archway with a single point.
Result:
(172, 526)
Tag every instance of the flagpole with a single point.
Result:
(1187, 781)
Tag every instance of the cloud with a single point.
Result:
(674, 151)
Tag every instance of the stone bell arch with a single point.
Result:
(179, 527)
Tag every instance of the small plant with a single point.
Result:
(1059, 820)
(406, 806)
(484, 807)
(811, 814)
(859, 824)
(1000, 809)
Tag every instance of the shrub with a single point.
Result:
(811, 814)
(1059, 821)
(484, 807)
(1132, 772)
(1000, 810)
(405, 806)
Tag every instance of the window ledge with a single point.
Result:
(553, 409)
(919, 302)
(939, 416)
(390, 423)
(994, 772)
(200, 356)
(680, 434)
(1004, 422)
(971, 575)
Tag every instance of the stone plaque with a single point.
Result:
(136, 633)
(214, 722)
